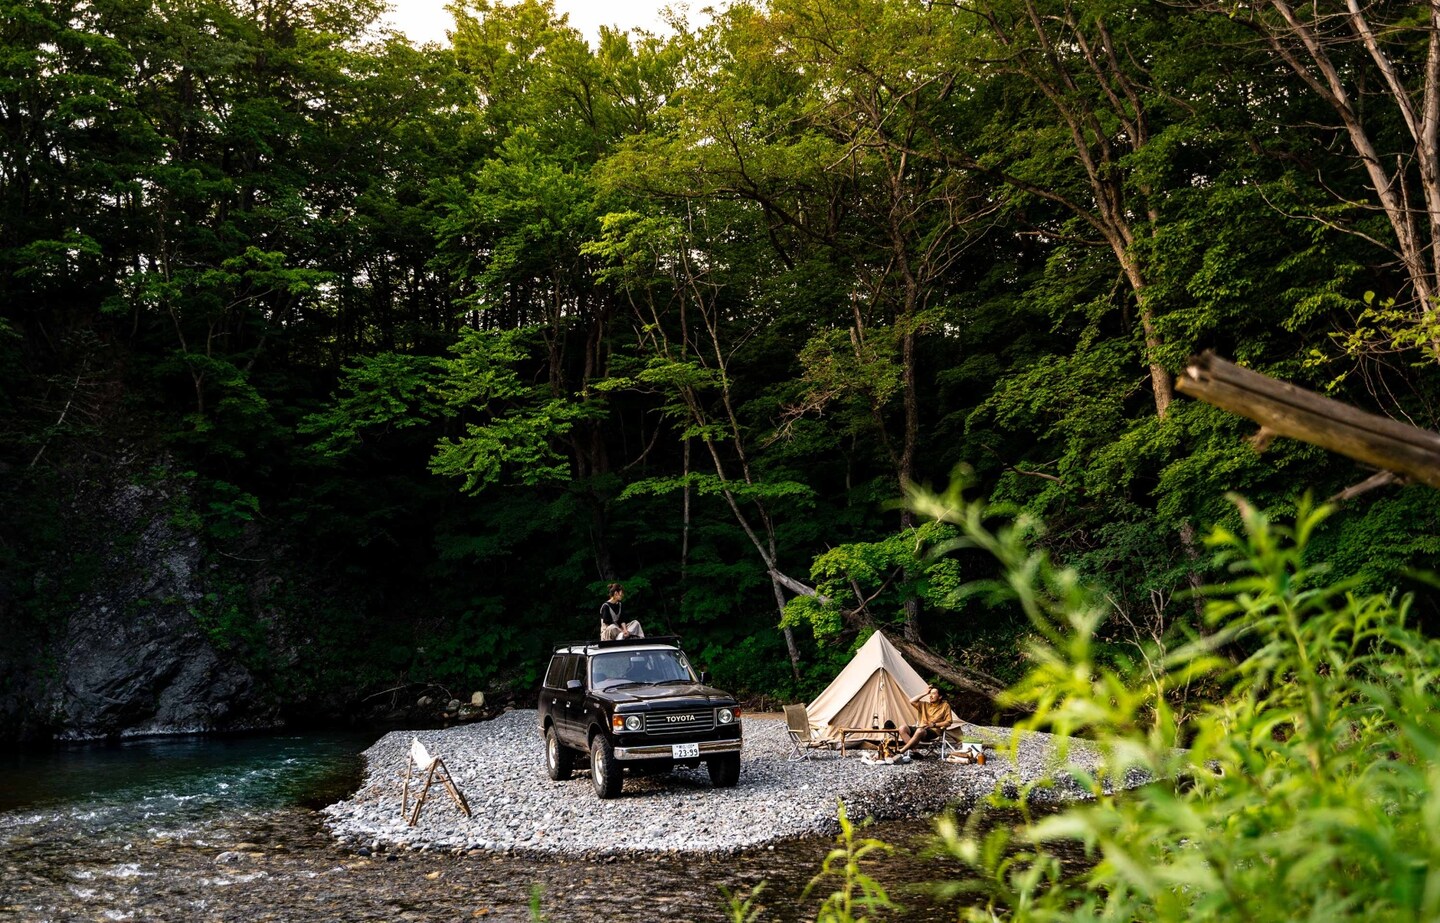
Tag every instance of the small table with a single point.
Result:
(847, 733)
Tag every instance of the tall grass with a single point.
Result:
(1308, 787)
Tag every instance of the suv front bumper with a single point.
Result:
(663, 751)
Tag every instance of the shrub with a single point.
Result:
(1308, 789)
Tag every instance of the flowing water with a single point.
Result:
(226, 829)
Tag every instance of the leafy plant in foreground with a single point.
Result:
(743, 905)
(1308, 789)
(857, 894)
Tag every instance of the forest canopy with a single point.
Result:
(449, 337)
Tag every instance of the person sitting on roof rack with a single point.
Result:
(613, 627)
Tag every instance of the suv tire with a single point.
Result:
(724, 769)
(604, 768)
(559, 760)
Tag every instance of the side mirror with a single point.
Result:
(571, 685)
(704, 677)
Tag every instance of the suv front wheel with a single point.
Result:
(559, 761)
(724, 769)
(604, 768)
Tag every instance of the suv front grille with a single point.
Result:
(686, 721)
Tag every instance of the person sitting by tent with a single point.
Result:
(935, 717)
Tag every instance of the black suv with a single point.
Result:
(635, 703)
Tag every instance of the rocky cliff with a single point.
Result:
(136, 651)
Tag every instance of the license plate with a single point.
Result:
(684, 751)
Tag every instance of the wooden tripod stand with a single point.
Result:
(435, 770)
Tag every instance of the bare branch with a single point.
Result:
(1373, 482)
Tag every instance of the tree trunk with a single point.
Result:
(790, 646)
(961, 677)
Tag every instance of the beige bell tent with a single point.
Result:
(875, 686)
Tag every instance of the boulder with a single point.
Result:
(135, 655)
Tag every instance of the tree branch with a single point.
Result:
(1283, 409)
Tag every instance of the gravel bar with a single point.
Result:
(500, 767)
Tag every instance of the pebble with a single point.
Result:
(500, 767)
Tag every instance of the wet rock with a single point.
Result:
(133, 658)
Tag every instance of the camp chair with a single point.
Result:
(951, 740)
(419, 760)
(944, 743)
(802, 736)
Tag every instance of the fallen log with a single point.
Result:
(972, 680)
(1282, 409)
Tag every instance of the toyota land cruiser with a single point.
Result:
(638, 704)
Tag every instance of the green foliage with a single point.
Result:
(223, 615)
(1382, 541)
(474, 650)
(755, 665)
(1381, 326)
(520, 424)
(376, 395)
(537, 912)
(857, 896)
(793, 259)
(1307, 789)
(744, 906)
(884, 574)
(708, 485)
(229, 511)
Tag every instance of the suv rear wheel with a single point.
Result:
(724, 769)
(559, 761)
(604, 768)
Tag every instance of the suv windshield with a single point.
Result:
(617, 668)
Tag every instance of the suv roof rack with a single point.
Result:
(624, 642)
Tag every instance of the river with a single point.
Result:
(226, 829)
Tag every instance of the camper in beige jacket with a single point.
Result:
(935, 717)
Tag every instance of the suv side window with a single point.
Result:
(555, 676)
(574, 668)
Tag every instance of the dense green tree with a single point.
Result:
(454, 335)
(1372, 69)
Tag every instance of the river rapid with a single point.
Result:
(207, 828)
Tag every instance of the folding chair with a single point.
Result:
(802, 736)
(951, 741)
(419, 760)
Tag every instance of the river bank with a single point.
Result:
(223, 829)
(282, 866)
(518, 810)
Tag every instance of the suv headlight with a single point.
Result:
(725, 716)
(626, 722)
